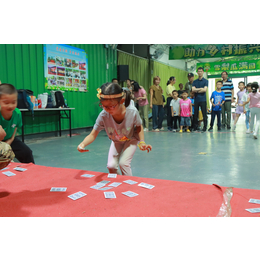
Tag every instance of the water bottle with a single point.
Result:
(36, 104)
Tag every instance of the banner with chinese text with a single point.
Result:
(65, 68)
(197, 51)
(232, 67)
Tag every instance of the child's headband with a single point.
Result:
(99, 95)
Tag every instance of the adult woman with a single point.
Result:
(169, 89)
(156, 104)
(141, 97)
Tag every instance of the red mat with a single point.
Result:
(27, 194)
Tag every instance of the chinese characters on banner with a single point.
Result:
(212, 51)
(215, 68)
(65, 68)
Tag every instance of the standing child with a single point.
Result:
(123, 126)
(254, 99)
(239, 109)
(246, 107)
(180, 91)
(185, 111)
(175, 107)
(10, 120)
(217, 99)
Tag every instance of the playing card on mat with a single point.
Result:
(5, 169)
(97, 187)
(103, 182)
(145, 185)
(20, 169)
(254, 201)
(255, 210)
(112, 175)
(106, 188)
(110, 195)
(130, 182)
(130, 193)
(8, 173)
(58, 189)
(87, 175)
(77, 195)
(115, 184)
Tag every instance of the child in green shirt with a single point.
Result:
(10, 120)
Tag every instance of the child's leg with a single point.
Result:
(22, 152)
(247, 119)
(236, 118)
(113, 157)
(127, 156)
(252, 119)
(257, 120)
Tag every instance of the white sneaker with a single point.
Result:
(161, 129)
(254, 135)
(247, 131)
(156, 130)
(234, 127)
(145, 130)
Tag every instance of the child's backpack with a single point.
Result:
(24, 101)
(60, 102)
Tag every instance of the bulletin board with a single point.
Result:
(65, 68)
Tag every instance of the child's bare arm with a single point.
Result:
(88, 140)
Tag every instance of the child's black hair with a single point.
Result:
(136, 86)
(7, 89)
(254, 87)
(219, 81)
(113, 89)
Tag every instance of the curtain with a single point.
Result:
(138, 68)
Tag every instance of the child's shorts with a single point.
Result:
(185, 121)
(200, 115)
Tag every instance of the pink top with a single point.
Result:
(185, 107)
(141, 92)
(254, 99)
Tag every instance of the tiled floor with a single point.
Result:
(231, 159)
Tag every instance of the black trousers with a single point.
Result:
(169, 112)
(175, 119)
(203, 106)
(22, 152)
(213, 115)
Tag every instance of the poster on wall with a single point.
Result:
(65, 68)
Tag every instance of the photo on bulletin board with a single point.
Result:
(65, 68)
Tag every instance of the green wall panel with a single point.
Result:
(22, 65)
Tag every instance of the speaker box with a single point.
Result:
(122, 72)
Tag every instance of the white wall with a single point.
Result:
(180, 64)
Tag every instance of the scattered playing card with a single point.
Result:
(5, 169)
(58, 189)
(130, 182)
(106, 188)
(254, 201)
(103, 182)
(115, 184)
(254, 210)
(130, 193)
(8, 173)
(87, 175)
(97, 187)
(145, 185)
(20, 169)
(77, 195)
(110, 195)
(112, 175)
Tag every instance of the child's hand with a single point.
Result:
(81, 148)
(144, 146)
(240, 105)
(244, 111)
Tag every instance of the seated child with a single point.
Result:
(10, 120)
